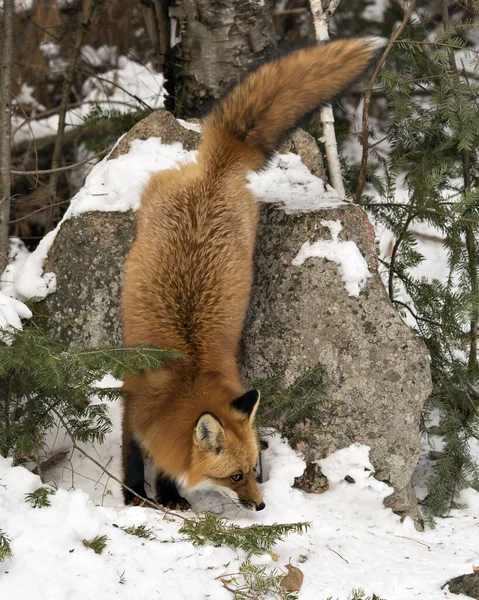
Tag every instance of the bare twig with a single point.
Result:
(413, 314)
(117, 85)
(392, 263)
(321, 17)
(367, 101)
(5, 128)
(34, 212)
(404, 537)
(290, 11)
(345, 560)
(67, 85)
(75, 446)
(60, 169)
(53, 111)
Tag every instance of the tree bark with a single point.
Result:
(67, 85)
(5, 128)
(220, 41)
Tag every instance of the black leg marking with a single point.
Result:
(134, 476)
(168, 495)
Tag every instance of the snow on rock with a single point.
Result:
(30, 281)
(192, 126)
(353, 267)
(110, 186)
(11, 309)
(22, 279)
(17, 255)
(116, 185)
(11, 313)
(288, 181)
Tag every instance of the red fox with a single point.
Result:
(188, 280)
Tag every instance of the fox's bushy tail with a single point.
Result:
(249, 124)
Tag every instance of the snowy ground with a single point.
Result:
(354, 542)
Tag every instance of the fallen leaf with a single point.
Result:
(293, 581)
(302, 558)
(273, 555)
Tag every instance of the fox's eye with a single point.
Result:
(237, 477)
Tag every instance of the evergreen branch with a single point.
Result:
(435, 43)
(254, 540)
(422, 210)
(5, 548)
(140, 531)
(97, 544)
(254, 582)
(367, 101)
(39, 498)
(470, 237)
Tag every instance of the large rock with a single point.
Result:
(87, 258)
(465, 584)
(376, 373)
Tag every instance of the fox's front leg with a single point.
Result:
(133, 466)
(168, 495)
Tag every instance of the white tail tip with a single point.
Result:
(376, 41)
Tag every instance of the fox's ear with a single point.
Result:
(247, 404)
(209, 434)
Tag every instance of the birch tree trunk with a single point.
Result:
(5, 128)
(321, 18)
(214, 44)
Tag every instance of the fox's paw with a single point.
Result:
(137, 501)
(177, 504)
(132, 499)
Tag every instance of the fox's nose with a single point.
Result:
(260, 506)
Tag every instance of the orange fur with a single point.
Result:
(188, 276)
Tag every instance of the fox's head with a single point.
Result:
(225, 452)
